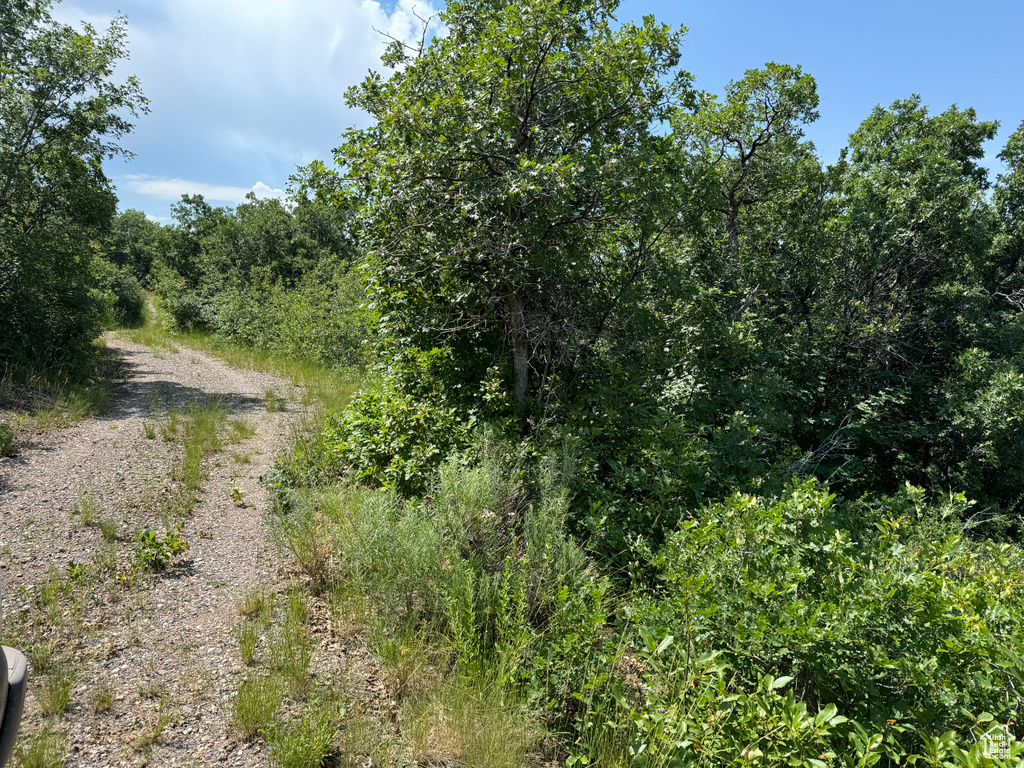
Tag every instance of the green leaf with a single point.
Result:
(779, 682)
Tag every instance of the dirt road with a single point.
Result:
(151, 661)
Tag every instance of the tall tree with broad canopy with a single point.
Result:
(61, 116)
(514, 186)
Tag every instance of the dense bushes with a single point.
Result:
(883, 609)
(799, 627)
(118, 294)
(266, 276)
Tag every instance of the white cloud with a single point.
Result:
(244, 89)
(173, 189)
(263, 192)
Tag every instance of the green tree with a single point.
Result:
(137, 243)
(61, 115)
(750, 144)
(1008, 200)
(514, 189)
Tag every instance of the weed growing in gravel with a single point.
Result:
(154, 553)
(240, 429)
(150, 689)
(307, 743)
(148, 430)
(42, 656)
(169, 429)
(242, 458)
(173, 509)
(273, 402)
(7, 444)
(235, 493)
(101, 698)
(105, 560)
(87, 507)
(258, 602)
(108, 528)
(290, 648)
(45, 749)
(53, 692)
(258, 699)
(149, 736)
(248, 637)
(70, 403)
(201, 436)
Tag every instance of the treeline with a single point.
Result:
(269, 274)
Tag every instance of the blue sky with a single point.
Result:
(243, 91)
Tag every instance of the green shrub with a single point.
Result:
(119, 294)
(883, 609)
(154, 552)
(393, 440)
(7, 445)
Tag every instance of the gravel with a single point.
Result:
(166, 648)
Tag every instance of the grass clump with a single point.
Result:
(273, 401)
(291, 649)
(258, 603)
(465, 722)
(87, 508)
(54, 691)
(101, 698)
(248, 639)
(202, 427)
(256, 703)
(46, 749)
(169, 429)
(108, 528)
(309, 742)
(240, 429)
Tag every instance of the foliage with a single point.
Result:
(513, 189)
(62, 115)
(8, 446)
(307, 743)
(880, 607)
(393, 441)
(265, 275)
(154, 552)
(118, 294)
(257, 701)
(136, 244)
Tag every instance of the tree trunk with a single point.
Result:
(520, 354)
(733, 227)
